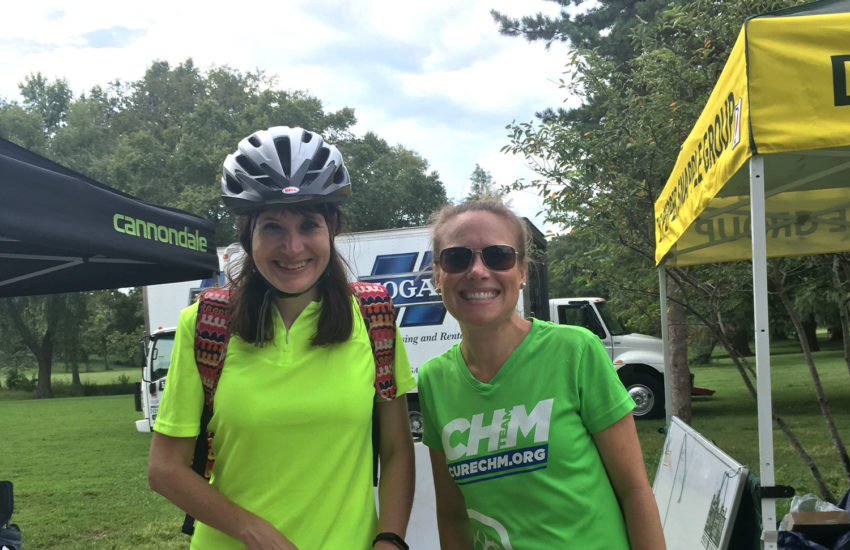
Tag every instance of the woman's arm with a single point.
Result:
(170, 474)
(398, 471)
(619, 448)
(452, 519)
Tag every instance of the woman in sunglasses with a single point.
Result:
(531, 438)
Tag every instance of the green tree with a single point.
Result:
(391, 185)
(603, 164)
(163, 139)
(50, 99)
(482, 186)
(36, 321)
(22, 126)
(115, 325)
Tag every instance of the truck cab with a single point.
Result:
(638, 358)
(155, 357)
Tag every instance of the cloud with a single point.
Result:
(435, 77)
(24, 46)
(113, 37)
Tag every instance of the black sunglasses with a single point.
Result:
(498, 257)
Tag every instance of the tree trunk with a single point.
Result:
(740, 339)
(747, 373)
(45, 366)
(86, 361)
(680, 375)
(843, 457)
(840, 265)
(41, 347)
(809, 329)
(825, 493)
(105, 348)
(75, 371)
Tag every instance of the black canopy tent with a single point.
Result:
(61, 231)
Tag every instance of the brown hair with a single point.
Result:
(442, 216)
(248, 287)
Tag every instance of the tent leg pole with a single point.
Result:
(665, 342)
(762, 344)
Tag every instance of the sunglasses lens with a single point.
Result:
(499, 257)
(455, 260)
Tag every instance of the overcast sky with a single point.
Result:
(434, 75)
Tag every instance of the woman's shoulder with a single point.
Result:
(188, 315)
(568, 333)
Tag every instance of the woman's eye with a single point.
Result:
(309, 225)
(270, 226)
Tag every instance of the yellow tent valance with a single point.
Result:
(783, 94)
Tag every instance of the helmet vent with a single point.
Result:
(248, 166)
(339, 176)
(232, 185)
(306, 137)
(319, 160)
(284, 153)
(254, 140)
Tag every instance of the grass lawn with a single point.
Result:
(78, 464)
(729, 418)
(134, 374)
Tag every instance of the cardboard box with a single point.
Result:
(823, 528)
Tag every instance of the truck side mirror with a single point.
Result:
(142, 352)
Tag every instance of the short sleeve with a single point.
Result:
(604, 400)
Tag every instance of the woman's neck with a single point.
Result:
(485, 349)
(291, 308)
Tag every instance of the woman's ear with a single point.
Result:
(436, 278)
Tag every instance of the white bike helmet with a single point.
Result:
(283, 165)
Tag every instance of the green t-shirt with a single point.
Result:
(520, 447)
(292, 426)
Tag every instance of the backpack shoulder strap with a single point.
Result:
(376, 306)
(212, 335)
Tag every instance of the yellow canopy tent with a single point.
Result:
(765, 172)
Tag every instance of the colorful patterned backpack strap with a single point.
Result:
(376, 306)
(212, 335)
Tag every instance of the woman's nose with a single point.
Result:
(293, 242)
(476, 265)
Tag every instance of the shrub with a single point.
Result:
(122, 387)
(16, 379)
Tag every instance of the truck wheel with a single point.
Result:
(647, 393)
(415, 418)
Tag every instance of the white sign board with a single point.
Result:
(698, 488)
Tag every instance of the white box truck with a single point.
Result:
(400, 259)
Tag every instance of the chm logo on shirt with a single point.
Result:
(488, 533)
(516, 442)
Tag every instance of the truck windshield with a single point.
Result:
(161, 355)
(615, 327)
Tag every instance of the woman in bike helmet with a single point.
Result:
(292, 414)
